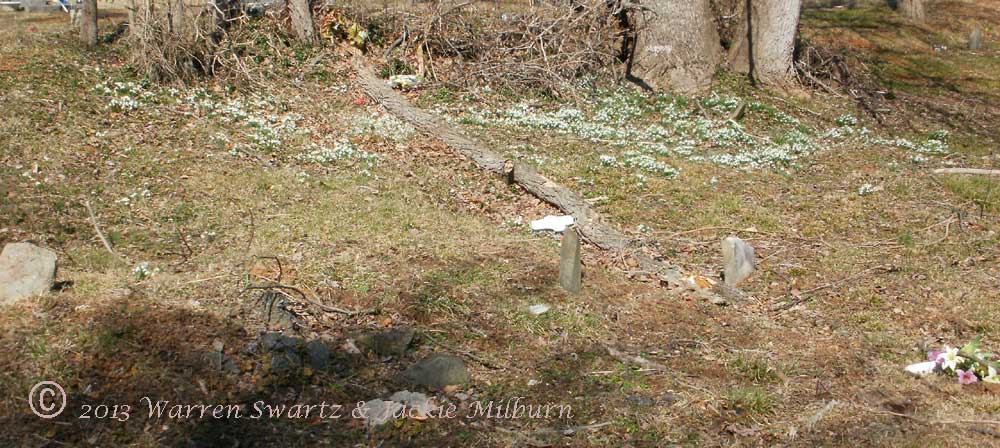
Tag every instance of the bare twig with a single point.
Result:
(633, 359)
(804, 294)
(100, 234)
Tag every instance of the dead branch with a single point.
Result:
(973, 171)
(633, 359)
(305, 298)
(588, 221)
(100, 234)
(805, 298)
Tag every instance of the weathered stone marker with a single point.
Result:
(739, 260)
(570, 266)
(25, 270)
(976, 38)
(437, 371)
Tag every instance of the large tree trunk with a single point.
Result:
(88, 23)
(678, 45)
(175, 15)
(302, 21)
(912, 9)
(766, 50)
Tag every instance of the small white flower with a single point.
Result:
(991, 376)
(949, 358)
(142, 271)
(866, 190)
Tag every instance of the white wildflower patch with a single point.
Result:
(642, 134)
(133, 197)
(343, 151)
(867, 189)
(125, 96)
(266, 132)
(386, 127)
(847, 120)
(142, 271)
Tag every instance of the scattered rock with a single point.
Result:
(229, 366)
(215, 360)
(276, 342)
(377, 412)
(392, 342)
(25, 270)
(350, 347)
(437, 371)
(739, 260)
(414, 400)
(285, 361)
(539, 309)
(274, 309)
(639, 400)
(218, 361)
(319, 355)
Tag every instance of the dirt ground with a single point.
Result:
(867, 260)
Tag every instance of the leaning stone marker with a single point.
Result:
(569, 262)
(739, 260)
(25, 270)
(437, 372)
(976, 39)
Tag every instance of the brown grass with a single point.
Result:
(427, 240)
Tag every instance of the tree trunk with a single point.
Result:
(678, 45)
(912, 9)
(88, 23)
(175, 16)
(302, 21)
(766, 50)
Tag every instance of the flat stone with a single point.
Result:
(285, 361)
(639, 400)
(414, 400)
(215, 360)
(25, 270)
(739, 260)
(570, 266)
(377, 412)
(276, 342)
(437, 371)
(274, 309)
(393, 342)
(319, 355)
(229, 366)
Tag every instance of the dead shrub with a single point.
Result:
(545, 46)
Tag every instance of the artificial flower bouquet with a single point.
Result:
(970, 364)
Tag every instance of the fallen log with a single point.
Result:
(592, 227)
(976, 171)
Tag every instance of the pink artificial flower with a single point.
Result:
(933, 355)
(966, 377)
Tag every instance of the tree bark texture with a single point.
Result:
(678, 45)
(769, 47)
(912, 9)
(302, 21)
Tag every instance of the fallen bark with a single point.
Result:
(590, 224)
(976, 171)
